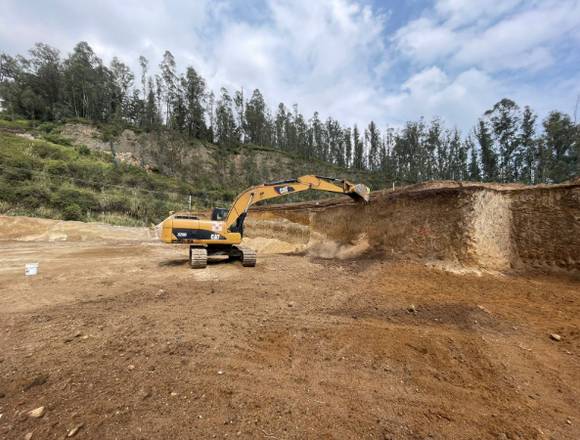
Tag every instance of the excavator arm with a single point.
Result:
(235, 219)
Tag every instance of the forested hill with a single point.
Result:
(172, 123)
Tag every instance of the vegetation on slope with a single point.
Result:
(45, 172)
(186, 141)
(58, 180)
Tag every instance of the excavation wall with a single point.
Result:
(546, 227)
(490, 227)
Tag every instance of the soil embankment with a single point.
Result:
(20, 228)
(484, 226)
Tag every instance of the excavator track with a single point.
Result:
(198, 257)
(248, 256)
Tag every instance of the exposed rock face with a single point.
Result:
(490, 230)
(197, 161)
(546, 227)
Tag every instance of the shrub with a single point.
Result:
(56, 167)
(46, 127)
(68, 195)
(117, 203)
(18, 168)
(57, 139)
(47, 151)
(90, 171)
(135, 180)
(228, 196)
(30, 195)
(15, 123)
(7, 191)
(72, 212)
(83, 150)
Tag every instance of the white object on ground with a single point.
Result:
(31, 269)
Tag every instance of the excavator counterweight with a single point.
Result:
(222, 235)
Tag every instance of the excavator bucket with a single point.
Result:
(360, 192)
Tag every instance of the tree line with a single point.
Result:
(507, 144)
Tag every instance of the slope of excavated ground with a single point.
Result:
(474, 225)
(21, 228)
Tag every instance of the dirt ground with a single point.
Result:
(125, 341)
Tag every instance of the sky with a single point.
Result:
(354, 60)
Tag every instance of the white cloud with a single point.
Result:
(486, 51)
(463, 12)
(425, 40)
(431, 92)
(521, 41)
(426, 81)
(493, 36)
(327, 56)
(455, 59)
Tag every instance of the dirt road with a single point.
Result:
(126, 342)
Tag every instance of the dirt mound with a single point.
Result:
(38, 229)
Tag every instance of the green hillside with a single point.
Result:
(78, 171)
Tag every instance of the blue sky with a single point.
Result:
(355, 60)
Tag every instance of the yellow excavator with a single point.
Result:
(222, 235)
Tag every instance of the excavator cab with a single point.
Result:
(219, 214)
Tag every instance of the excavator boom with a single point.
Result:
(272, 190)
(224, 237)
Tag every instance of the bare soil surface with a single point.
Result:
(122, 340)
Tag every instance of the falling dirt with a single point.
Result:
(320, 246)
(118, 336)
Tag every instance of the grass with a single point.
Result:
(43, 178)
(20, 124)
